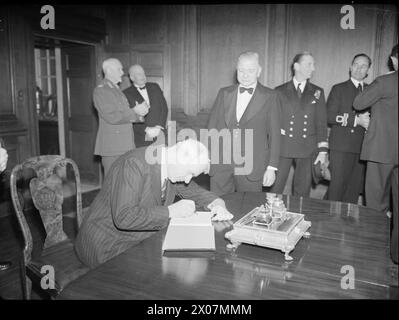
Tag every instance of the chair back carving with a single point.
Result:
(46, 189)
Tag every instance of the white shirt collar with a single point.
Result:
(296, 82)
(356, 82)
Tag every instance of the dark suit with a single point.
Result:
(129, 208)
(380, 147)
(304, 125)
(262, 118)
(345, 142)
(157, 114)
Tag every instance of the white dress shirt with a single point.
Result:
(356, 83)
(243, 100)
(144, 94)
(296, 83)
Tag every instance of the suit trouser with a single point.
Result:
(347, 176)
(381, 179)
(107, 162)
(224, 181)
(302, 181)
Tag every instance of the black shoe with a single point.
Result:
(4, 265)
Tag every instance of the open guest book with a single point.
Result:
(195, 233)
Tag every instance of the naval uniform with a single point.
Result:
(303, 132)
(345, 141)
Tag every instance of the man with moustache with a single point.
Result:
(246, 108)
(115, 133)
(346, 135)
(380, 145)
(303, 128)
(146, 133)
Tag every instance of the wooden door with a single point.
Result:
(79, 114)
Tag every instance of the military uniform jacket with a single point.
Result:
(380, 142)
(344, 136)
(129, 208)
(157, 114)
(262, 117)
(304, 121)
(115, 133)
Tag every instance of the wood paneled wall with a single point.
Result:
(18, 26)
(205, 41)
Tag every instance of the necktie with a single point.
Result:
(360, 88)
(250, 90)
(142, 88)
(298, 91)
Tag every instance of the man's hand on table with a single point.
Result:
(182, 209)
(219, 211)
(186, 208)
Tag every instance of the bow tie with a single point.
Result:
(142, 88)
(250, 90)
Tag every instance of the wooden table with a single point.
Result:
(342, 236)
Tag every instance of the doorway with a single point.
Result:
(65, 74)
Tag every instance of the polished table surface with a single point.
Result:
(342, 236)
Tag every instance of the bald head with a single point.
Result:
(137, 75)
(186, 159)
(113, 70)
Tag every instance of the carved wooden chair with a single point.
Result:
(49, 260)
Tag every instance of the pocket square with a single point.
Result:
(282, 132)
(314, 101)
